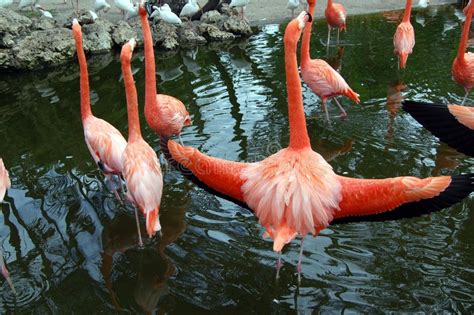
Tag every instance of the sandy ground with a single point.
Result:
(258, 12)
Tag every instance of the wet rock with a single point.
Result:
(12, 25)
(237, 26)
(41, 49)
(188, 37)
(122, 33)
(97, 36)
(212, 33)
(5, 58)
(227, 10)
(165, 35)
(43, 23)
(212, 17)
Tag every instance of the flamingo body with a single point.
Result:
(463, 71)
(452, 124)
(404, 41)
(5, 183)
(336, 15)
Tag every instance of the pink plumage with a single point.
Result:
(4, 180)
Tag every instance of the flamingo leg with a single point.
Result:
(326, 110)
(298, 266)
(279, 264)
(180, 140)
(329, 36)
(140, 241)
(337, 41)
(343, 112)
(465, 97)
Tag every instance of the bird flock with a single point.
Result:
(295, 191)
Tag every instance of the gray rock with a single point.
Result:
(165, 35)
(227, 10)
(12, 25)
(237, 26)
(85, 17)
(43, 23)
(97, 36)
(188, 37)
(211, 17)
(122, 33)
(41, 49)
(212, 33)
(6, 56)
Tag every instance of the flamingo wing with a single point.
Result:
(323, 79)
(452, 124)
(106, 144)
(404, 41)
(4, 180)
(220, 175)
(400, 197)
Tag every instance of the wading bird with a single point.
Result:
(452, 124)
(165, 13)
(105, 143)
(292, 5)
(141, 168)
(5, 183)
(463, 65)
(27, 3)
(189, 9)
(239, 4)
(296, 192)
(321, 78)
(44, 12)
(336, 18)
(404, 38)
(100, 5)
(164, 114)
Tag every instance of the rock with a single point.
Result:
(41, 49)
(97, 36)
(165, 35)
(237, 26)
(211, 17)
(43, 23)
(84, 18)
(188, 37)
(227, 10)
(122, 33)
(12, 25)
(5, 58)
(212, 33)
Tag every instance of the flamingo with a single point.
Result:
(5, 183)
(296, 192)
(141, 168)
(404, 38)
(239, 4)
(452, 124)
(322, 79)
(336, 18)
(105, 143)
(292, 5)
(164, 114)
(463, 65)
(466, 8)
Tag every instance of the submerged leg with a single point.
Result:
(279, 264)
(343, 112)
(109, 178)
(140, 241)
(298, 267)
(465, 97)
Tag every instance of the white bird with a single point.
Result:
(101, 5)
(189, 9)
(423, 3)
(292, 5)
(304, 3)
(239, 4)
(93, 14)
(44, 12)
(166, 15)
(125, 6)
(5, 3)
(129, 14)
(27, 3)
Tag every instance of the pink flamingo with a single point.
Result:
(5, 183)
(165, 114)
(141, 168)
(322, 79)
(296, 192)
(336, 18)
(105, 143)
(452, 124)
(463, 65)
(404, 38)
(466, 8)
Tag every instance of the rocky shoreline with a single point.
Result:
(40, 42)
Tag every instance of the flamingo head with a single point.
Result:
(76, 29)
(311, 2)
(303, 18)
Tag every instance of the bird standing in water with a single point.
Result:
(141, 168)
(404, 38)
(321, 78)
(5, 183)
(463, 65)
(336, 18)
(296, 192)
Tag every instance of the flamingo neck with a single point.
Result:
(465, 33)
(150, 73)
(84, 77)
(329, 4)
(134, 133)
(298, 133)
(305, 44)
(407, 13)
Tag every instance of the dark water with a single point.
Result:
(70, 246)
